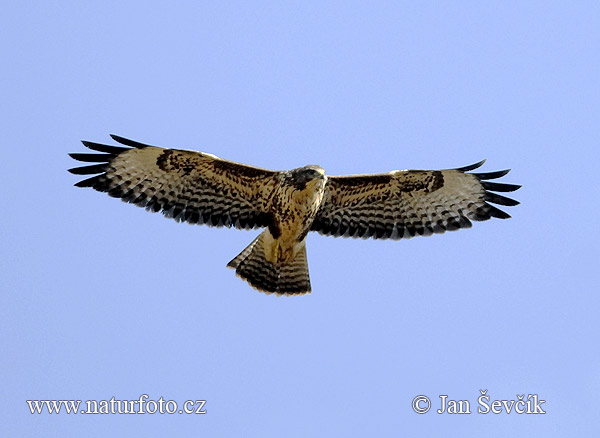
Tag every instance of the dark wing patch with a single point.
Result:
(187, 186)
(404, 204)
(237, 169)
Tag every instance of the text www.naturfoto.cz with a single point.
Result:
(113, 406)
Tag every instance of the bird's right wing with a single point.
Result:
(406, 203)
(188, 186)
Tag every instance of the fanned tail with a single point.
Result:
(288, 279)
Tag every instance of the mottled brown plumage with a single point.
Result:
(200, 188)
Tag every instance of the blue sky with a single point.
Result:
(103, 299)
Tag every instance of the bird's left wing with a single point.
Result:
(407, 203)
(188, 186)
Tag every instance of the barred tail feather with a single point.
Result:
(289, 279)
(294, 278)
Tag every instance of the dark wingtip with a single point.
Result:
(497, 213)
(491, 175)
(499, 199)
(116, 150)
(471, 166)
(94, 181)
(500, 187)
(88, 170)
(128, 142)
(92, 158)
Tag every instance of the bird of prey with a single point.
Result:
(200, 188)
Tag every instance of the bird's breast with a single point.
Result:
(293, 212)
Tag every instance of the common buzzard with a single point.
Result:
(201, 188)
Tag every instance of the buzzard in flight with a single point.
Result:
(200, 188)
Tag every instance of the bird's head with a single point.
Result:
(304, 175)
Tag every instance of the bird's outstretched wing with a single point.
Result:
(407, 203)
(188, 186)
